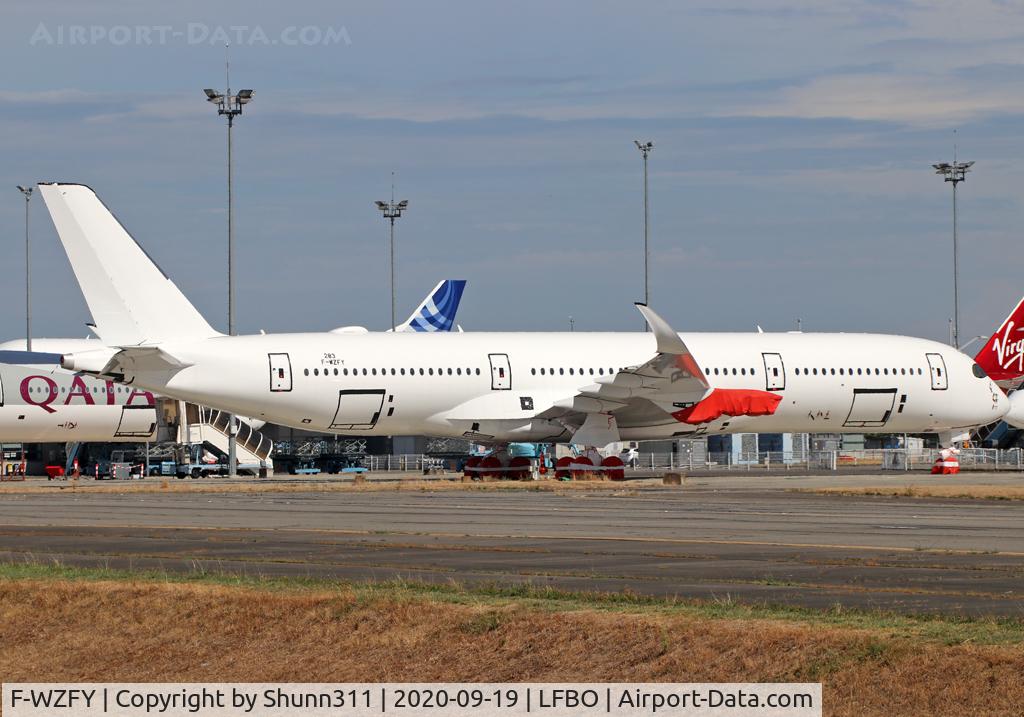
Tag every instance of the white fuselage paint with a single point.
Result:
(46, 404)
(447, 388)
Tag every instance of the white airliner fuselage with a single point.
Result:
(494, 385)
(591, 389)
(47, 404)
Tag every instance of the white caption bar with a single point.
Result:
(494, 699)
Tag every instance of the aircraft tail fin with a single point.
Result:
(132, 301)
(1002, 356)
(437, 311)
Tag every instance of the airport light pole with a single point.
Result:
(955, 173)
(645, 149)
(230, 106)
(391, 212)
(27, 191)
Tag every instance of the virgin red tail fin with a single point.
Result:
(1003, 356)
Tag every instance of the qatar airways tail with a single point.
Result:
(585, 388)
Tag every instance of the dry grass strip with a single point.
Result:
(980, 491)
(151, 485)
(59, 629)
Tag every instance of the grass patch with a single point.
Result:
(976, 492)
(301, 486)
(60, 623)
(941, 629)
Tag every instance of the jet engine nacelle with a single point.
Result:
(1015, 416)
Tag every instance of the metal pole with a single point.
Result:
(393, 324)
(956, 278)
(647, 254)
(232, 433)
(645, 149)
(28, 280)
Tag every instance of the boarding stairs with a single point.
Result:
(209, 427)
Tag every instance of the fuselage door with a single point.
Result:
(501, 372)
(937, 367)
(136, 422)
(358, 409)
(774, 372)
(280, 372)
(871, 407)
(1, 388)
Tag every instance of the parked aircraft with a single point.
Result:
(43, 403)
(585, 388)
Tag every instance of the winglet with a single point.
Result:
(668, 340)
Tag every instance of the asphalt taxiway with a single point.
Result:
(730, 540)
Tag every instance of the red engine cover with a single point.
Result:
(729, 402)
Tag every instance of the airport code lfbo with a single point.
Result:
(448, 699)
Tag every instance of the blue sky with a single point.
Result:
(790, 175)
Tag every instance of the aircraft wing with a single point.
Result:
(669, 387)
(669, 381)
(29, 358)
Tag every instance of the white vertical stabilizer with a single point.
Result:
(130, 298)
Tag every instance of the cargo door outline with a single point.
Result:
(501, 372)
(871, 407)
(358, 409)
(280, 373)
(937, 370)
(774, 372)
(136, 422)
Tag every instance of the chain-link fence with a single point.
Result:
(898, 459)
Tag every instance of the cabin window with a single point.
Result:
(316, 372)
(815, 371)
(743, 371)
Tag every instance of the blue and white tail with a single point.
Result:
(131, 300)
(437, 312)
